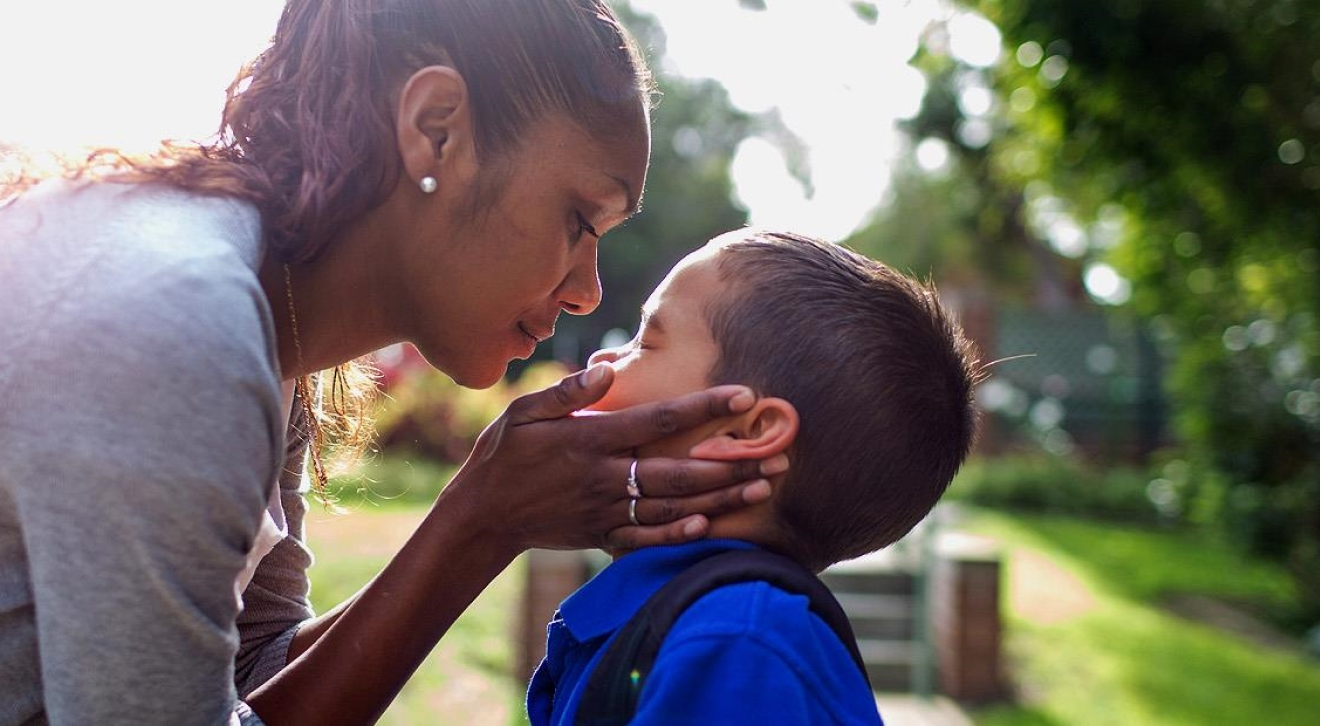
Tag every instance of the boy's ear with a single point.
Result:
(769, 428)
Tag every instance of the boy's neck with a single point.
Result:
(757, 524)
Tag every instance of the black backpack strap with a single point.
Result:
(613, 688)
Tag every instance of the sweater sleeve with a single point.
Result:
(152, 431)
(277, 600)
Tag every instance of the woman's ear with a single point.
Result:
(433, 124)
(769, 428)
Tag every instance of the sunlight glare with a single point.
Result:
(131, 74)
(974, 40)
(1105, 284)
(932, 154)
(121, 74)
(837, 82)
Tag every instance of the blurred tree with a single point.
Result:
(963, 223)
(950, 216)
(1184, 136)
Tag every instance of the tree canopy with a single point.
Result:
(1184, 137)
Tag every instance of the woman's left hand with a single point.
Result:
(540, 476)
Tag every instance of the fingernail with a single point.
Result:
(776, 465)
(757, 491)
(741, 401)
(595, 374)
(693, 528)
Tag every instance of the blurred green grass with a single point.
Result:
(467, 678)
(1114, 654)
(1090, 641)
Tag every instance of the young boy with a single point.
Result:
(864, 382)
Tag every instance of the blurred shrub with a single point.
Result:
(428, 416)
(425, 428)
(1063, 485)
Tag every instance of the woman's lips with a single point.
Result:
(534, 336)
(538, 334)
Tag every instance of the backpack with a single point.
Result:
(614, 686)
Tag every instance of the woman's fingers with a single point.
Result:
(671, 520)
(662, 510)
(572, 393)
(686, 477)
(644, 423)
(630, 538)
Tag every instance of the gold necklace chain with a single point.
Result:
(302, 389)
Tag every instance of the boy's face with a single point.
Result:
(673, 351)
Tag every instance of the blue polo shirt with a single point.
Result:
(748, 653)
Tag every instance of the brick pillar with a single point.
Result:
(550, 577)
(965, 619)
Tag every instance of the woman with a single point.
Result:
(435, 171)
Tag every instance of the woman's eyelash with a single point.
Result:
(585, 226)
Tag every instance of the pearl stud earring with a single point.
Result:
(428, 184)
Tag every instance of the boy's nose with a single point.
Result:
(604, 355)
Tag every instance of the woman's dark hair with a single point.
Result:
(881, 376)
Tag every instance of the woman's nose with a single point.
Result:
(580, 291)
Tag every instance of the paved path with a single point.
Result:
(904, 709)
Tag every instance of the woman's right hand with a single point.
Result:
(540, 476)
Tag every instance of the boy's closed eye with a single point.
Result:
(648, 332)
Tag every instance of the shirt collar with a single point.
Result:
(614, 595)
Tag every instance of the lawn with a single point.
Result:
(1093, 638)
(466, 680)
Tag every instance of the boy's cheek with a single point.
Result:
(623, 393)
(609, 402)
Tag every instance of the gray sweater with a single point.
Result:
(141, 429)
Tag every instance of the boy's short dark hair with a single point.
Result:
(881, 376)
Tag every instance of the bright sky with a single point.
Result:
(127, 73)
(133, 72)
(838, 83)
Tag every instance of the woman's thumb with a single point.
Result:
(572, 393)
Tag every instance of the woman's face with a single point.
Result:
(512, 265)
